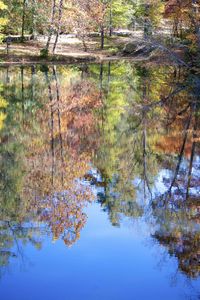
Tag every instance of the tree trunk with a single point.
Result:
(59, 25)
(147, 22)
(23, 20)
(84, 43)
(110, 21)
(33, 29)
(195, 21)
(53, 12)
(102, 37)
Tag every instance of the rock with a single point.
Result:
(18, 38)
(144, 50)
(93, 34)
(138, 49)
(123, 33)
(130, 48)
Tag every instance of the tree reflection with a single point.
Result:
(13, 237)
(137, 126)
(176, 211)
(149, 155)
(47, 141)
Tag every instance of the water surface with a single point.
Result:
(99, 179)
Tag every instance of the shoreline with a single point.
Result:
(28, 53)
(72, 61)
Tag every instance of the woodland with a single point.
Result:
(77, 30)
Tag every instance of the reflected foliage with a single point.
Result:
(48, 137)
(125, 134)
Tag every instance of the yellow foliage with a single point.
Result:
(2, 118)
(2, 6)
(3, 103)
(3, 20)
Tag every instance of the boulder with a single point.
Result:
(130, 48)
(144, 50)
(138, 49)
(123, 33)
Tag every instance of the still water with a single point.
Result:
(99, 179)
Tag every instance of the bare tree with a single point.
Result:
(50, 33)
(60, 9)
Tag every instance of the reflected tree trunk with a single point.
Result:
(33, 72)
(7, 75)
(180, 157)
(22, 91)
(144, 144)
(51, 126)
(192, 154)
(59, 121)
(109, 73)
(101, 91)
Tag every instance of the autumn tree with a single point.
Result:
(186, 21)
(95, 12)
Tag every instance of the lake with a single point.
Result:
(100, 182)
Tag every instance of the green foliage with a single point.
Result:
(44, 53)
(121, 13)
(3, 18)
(150, 12)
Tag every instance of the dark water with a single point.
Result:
(100, 182)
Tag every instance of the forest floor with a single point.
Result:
(70, 49)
